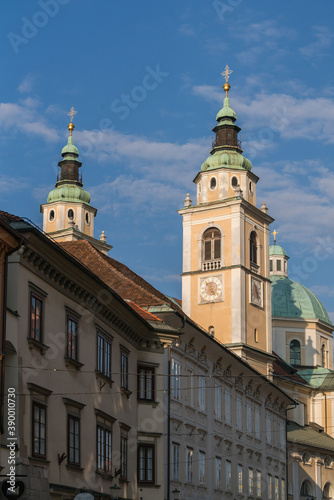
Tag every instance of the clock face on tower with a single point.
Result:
(211, 289)
(256, 292)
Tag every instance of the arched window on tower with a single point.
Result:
(295, 358)
(211, 249)
(253, 248)
(323, 356)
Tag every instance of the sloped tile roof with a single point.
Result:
(144, 314)
(283, 369)
(7, 217)
(309, 437)
(117, 276)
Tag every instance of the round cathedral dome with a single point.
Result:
(277, 250)
(290, 299)
(70, 193)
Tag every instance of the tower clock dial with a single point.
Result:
(256, 292)
(211, 288)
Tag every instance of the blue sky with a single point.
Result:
(145, 79)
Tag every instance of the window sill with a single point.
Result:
(148, 402)
(38, 345)
(126, 391)
(105, 475)
(148, 485)
(106, 379)
(123, 480)
(74, 467)
(73, 362)
(39, 459)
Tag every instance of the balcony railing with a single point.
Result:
(227, 142)
(211, 265)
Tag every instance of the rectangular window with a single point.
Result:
(257, 421)
(268, 426)
(103, 355)
(124, 370)
(240, 484)
(201, 467)
(146, 463)
(283, 489)
(146, 383)
(190, 390)
(239, 411)
(282, 433)
(176, 461)
(218, 473)
(72, 338)
(278, 265)
(176, 381)
(271, 266)
(36, 316)
(124, 456)
(250, 482)
(228, 406)
(104, 449)
(270, 487)
(276, 489)
(39, 431)
(207, 250)
(201, 392)
(258, 484)
(228, 475)
(249, 417)
(216, 249)
(189, 465)
(73, 443)
(218, 402)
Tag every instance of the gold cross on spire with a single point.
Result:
(274, 234)
(227, 73)
(71, 124)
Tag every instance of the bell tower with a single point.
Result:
(68, 214)
(226, 277)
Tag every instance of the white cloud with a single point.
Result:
(187, 30)
(27, 84)
(11, 184)
(324, 39)
(323, 290)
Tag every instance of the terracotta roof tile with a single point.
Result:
(283, 369)
(117, 276)
(144, 314)
(9, 217)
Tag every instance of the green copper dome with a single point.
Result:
(277, 250)
(70, 148)
(70, 193)
(290, 299)
(226, 111)
(226, 159)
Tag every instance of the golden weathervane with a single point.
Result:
(226, 73)
(71, 114)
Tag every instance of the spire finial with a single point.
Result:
(71, 124)
(274, 233)
(226, 74)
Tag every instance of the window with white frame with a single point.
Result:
(250, 481)
(228, 406)
(239, 411)
(190, 390)
(201, 392)
(176, 380)
(189, 465)
(218, 401)
(249, 426)
(176, 461)
(228, 475)
(240, 483)
(268, 427)
(257, 416)
(201, 467)
(218, 473)
(270, 487)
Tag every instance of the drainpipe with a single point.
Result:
(286, 452)
(325, 411)
(168, 426)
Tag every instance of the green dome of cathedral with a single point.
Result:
(70, 193)
(290, 299)
(70, 148)
(226, 111)
(226, 159)
(276, 250)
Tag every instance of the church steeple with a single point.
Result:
(68, 214)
